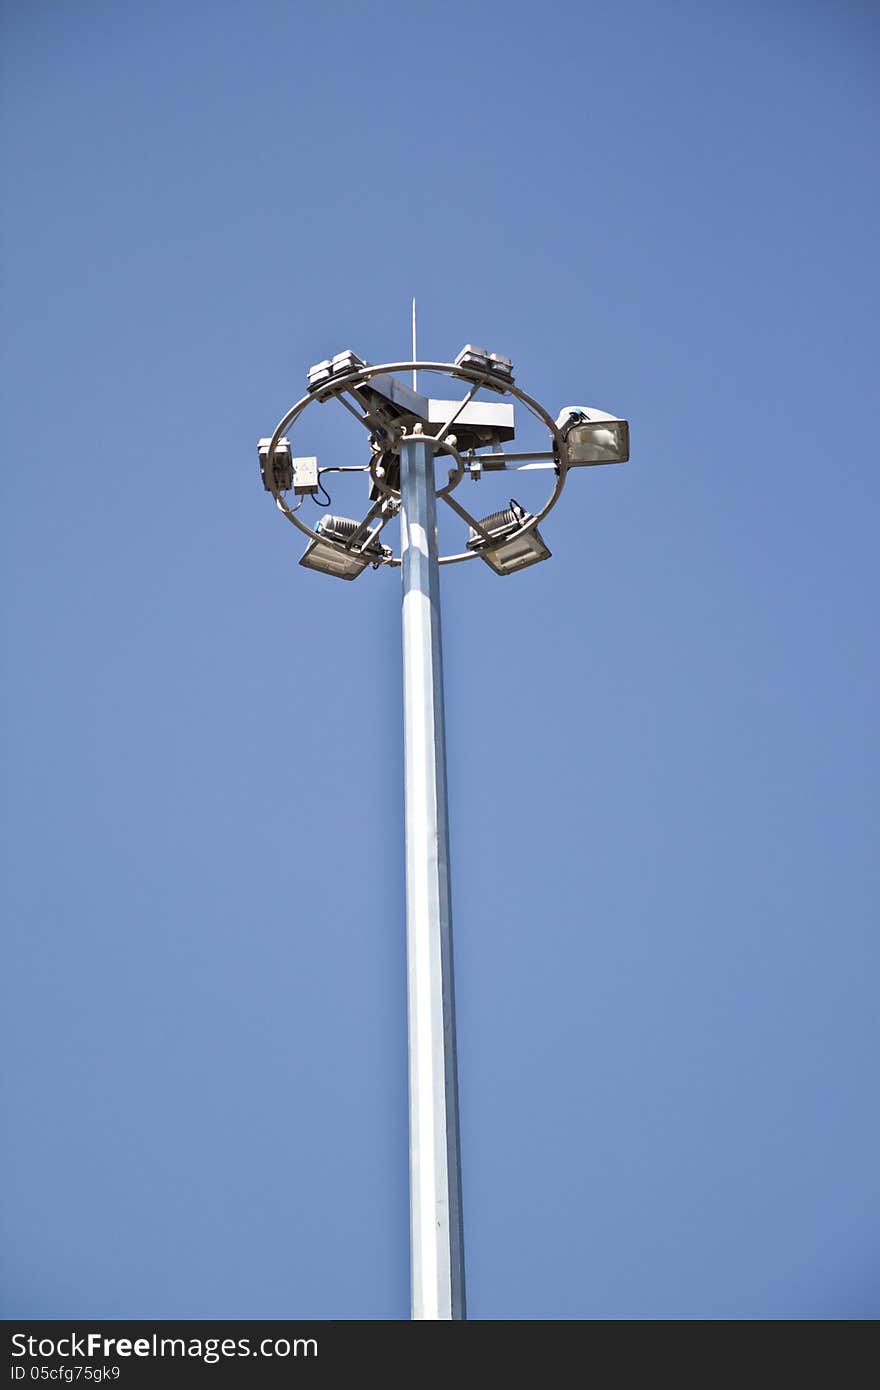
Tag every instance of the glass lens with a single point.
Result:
(600, 442)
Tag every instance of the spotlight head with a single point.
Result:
(519, 552)
(330, 557)
(494, 364)
(322, 373)
(593, 436)
(343, 363)
(319, 373)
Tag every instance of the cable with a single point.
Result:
(329, 502)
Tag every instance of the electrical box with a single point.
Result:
(282, 472)
(305, 476)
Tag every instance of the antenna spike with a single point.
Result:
(415, 357)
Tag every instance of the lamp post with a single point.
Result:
(436, 1231)
(408, 433)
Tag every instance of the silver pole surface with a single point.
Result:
(436, 1233)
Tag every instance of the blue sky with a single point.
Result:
(662, 746)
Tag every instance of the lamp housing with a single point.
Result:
(330, 557)
(321, 374)
(494, 364)
(518, 553)
(593, 436)
(342, 363)
(282, 465)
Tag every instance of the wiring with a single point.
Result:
(314, 496)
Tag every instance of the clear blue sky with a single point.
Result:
(663, 756)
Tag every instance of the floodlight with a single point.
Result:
(282, 471)
(492, 363)
(341, 364)
(471, 356)
(522, 550)
(332, 559)
(593, 436)
(319, 373)
(501, 366)
(344, 362)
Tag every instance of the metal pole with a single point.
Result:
(437, 1240)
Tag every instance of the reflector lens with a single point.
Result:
(342, 564)
(598, 441)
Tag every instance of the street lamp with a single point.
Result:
(408, 432)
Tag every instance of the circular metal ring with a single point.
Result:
(361, 377)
